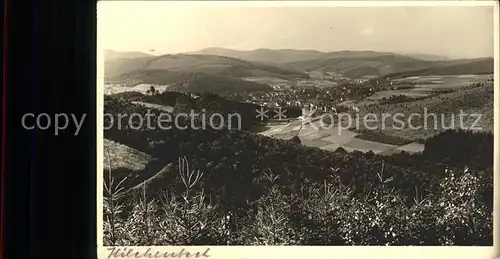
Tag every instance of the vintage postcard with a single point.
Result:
(297, 129)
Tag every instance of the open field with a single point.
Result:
(267, 80)
(366, 145)
(412, 147)
(425, 85)
(407, 92)
(445, 80)
(331, 138)
(156, 106)
(142, 88)
(283, 84)
(474, 102)
(409, 148)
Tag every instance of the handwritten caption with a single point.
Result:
(128, 252)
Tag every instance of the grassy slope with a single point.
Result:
(475, 100)
(111, 54)
(125, 161)
(159, 77)
(203, 83)
(122, 156)
(190, 82)
(209, 64)
(429, 57)
(453, 67)
(480, 66)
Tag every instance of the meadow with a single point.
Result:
(331, 137)
(446, 108)
(408, 92)
(141, 88)
(422, 86)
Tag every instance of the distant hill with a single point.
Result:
(452, 67)
(117, 66)
(203, 83)
(208, 64)
(352, 64)
(356, 65)
(426, 57)
(480, 66)
(154, 76)
(358, 54)
(166, 69)
(280, 56)
(188, 82)
(264, 55)
(393, 65)
(111, 54)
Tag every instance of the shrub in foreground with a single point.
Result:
(454, 213)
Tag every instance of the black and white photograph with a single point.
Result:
(294, 124)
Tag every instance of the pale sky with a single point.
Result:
(167, 27)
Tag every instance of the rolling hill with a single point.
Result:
(118, 66)
(190, 82)
(280, 56)
(357, 66)
(203, 83)
(264, 55)
(394, 65)
(353, 64)
(283, 56)
(427, 57)
(111, 54)
(154, 76)
(134, 68)
(478, 100)
(453, 67)
(208, 64)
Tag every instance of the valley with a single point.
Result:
(326, 90)
(311, 154)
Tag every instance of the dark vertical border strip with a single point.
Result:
(48, 205)
(32, 147)
(16, 99)
(4, 129)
